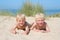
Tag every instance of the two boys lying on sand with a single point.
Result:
(39, 25)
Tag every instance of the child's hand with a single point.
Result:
(25, 33)
(37, 30)
(43, 31)
(13, 31)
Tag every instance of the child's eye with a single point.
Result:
(40, 20)
(19, 20)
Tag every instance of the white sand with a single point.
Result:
(6, 23)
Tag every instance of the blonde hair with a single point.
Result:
(20, 16)
(40, 15)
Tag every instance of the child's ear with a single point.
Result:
(44, 18)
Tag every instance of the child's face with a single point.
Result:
(39, 21)
(21, 22)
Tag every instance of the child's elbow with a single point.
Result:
(48, 30)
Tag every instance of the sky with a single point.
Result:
(17, 4)
(49, 6)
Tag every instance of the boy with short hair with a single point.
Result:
(21, 24)
(40, 24)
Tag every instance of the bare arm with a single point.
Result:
(13, 30)
(27, 30)
(33, 25)
(47, 29)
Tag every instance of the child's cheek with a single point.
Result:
(22, 24)
(40, 24)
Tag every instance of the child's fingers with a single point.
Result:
(14, 32)
(25, 33)
(43, 31)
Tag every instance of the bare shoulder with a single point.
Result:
(27, 24)
(45, 22)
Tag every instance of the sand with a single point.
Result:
(6, 23)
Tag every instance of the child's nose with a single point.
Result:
(21, 22)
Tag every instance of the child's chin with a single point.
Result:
(40, 25)
(21, 25)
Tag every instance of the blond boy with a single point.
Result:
(21, 24)
(40, 24)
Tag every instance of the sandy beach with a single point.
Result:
(7, 22)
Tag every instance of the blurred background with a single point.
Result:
(50, 8)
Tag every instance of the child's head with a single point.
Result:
(20, 19)
(39, 18)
